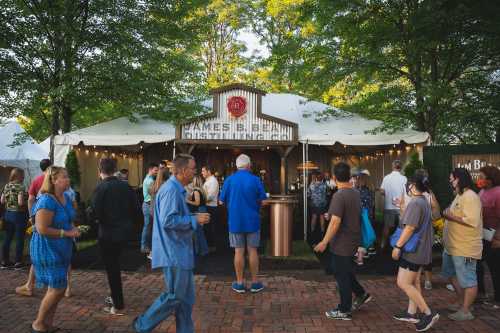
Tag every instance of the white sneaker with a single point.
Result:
(450, 287)
(428, 285)
(149, 256)
(113, 311)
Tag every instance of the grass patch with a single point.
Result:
(300, 251)
(82, 245)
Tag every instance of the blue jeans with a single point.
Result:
(15, 224)
(146, 229)
(177, 298)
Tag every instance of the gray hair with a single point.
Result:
(243, 162)
(181, 162)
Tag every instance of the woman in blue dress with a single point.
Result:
(51, 244)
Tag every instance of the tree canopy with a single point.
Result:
(431, 65)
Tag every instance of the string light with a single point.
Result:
(408, 148)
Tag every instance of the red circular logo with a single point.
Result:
(237, 106)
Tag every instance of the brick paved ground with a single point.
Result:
(292, 302)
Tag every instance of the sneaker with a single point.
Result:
(6, 265)
(495, 305)
(256, 287)
(113, 311)
(428, 285)
(149, 256)
(372, 251)
(455, 307)
(461, 316)
(338, 315)
(238, 287)
(108, 300)
(406, 317)
(360, 301)
(450, 287)
(18, 266)
(427, 321)
(24, 291)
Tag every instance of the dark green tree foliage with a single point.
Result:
(431, 65)
(73, 169)
(67, 64)
(414, 163)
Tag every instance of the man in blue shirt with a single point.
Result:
(242, 194)
(173, 229)
(146, 229)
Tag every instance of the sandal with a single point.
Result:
(37, 331)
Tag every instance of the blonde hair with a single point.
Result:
(51, 175)
(198, 185)
(161, 177)
(16, 174)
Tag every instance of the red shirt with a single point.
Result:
(36, 185)
(490, 199)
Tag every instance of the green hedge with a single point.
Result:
(437, 160)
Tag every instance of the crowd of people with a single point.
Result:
(181, 224)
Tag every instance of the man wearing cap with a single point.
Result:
(243, 194)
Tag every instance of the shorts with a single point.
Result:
(461, 267)
(391, 217)
(244, 239)
(403, 263)
(318, 210)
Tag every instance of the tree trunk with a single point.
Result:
(66, 117)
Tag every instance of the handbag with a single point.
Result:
(411, 244)
(367, 233)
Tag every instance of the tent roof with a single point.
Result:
(120, 132)
(315, 126)
(321, 128)
(28, 150)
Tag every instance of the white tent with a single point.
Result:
(26, 156)
(316, 126)
(117, 132)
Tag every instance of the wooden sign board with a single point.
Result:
(474, 162)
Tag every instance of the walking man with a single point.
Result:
(173, 230)
(243, 194)
(113, 205)
(393, 188)
(344, 236)
(146, 208)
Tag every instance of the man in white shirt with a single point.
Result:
(393, 188)
(211, 187)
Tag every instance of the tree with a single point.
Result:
(66, 64)
(413, 63)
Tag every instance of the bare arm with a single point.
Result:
(20, 199)
(332, 230)
(31, 201)
(43, 221)
(2, 199)
(197, 199)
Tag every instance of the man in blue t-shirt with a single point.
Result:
(243, 194)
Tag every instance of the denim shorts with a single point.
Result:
(461, 267)
(244, 239)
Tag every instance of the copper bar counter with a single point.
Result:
(281, 218)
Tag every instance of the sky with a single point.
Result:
(252, 42)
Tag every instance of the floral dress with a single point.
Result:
(50, 256)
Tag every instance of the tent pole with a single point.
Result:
(304, 193)
(173, 152)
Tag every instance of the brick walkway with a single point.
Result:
(289, 304)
